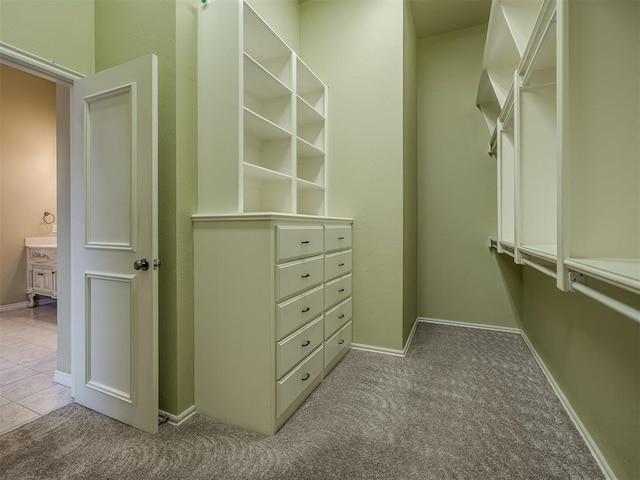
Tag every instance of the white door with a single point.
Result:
(114, 297)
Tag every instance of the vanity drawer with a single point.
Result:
(297, 382)
(337, 237)
(337, 290)
(336, 264)
(294, 313)
(337, 317)
(337, 344)
(40, 255)
(295, 277)
(296, 241)
(297, 346)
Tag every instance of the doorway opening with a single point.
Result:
(34, 340)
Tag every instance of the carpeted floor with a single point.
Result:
(464, 404)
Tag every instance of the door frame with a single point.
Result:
(64, 79)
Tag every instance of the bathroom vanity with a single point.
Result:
(41, 267)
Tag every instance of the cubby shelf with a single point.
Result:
(253, 146)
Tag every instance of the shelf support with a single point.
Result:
(577, 285)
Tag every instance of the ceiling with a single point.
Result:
(433, 17)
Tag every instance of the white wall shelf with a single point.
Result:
(262, 116)
(570, 141)
(622, 272)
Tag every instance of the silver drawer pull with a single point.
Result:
(341, 290)
(306, 275)
(340, 342)
(341, 264)
(305, 310)
(340, 238)
(305, 344)
(306, 377)
(305, 242)
(341, 315)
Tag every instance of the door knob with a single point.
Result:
(142, 264)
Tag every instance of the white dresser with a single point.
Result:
(272, 313)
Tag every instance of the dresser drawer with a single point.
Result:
(337, 290)
(337, 264)
(337, 317)
(295, 277)
(296, 242)
(337, 344)
(298, 345)
(294, 313)
(337, 237)
(298, 381)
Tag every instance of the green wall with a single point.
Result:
(458, 276)
(594, 356)
(58, 30)
(410, 174)
(356, 48)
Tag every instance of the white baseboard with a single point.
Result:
(13, 306)
(591, 444)
(177, 420)
(389, 351)
(480, 326)
(373, 349)
(62, 378)
(588, 440)
(20, 305)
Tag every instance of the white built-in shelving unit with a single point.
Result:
(560, 87)
(262, 116)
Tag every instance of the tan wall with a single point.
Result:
(27, 172)
(356, 48)
(57, 30)
(458, 276)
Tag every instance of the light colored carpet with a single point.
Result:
(464, 404)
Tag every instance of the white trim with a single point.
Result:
(389, 351)
(62, 378)
(48, 69)
(13, 306)
(383, 350)
(480, 326)
(410, 337)
(591, 444)
(584, 433)
(177, 420)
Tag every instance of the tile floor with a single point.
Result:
(27, 363)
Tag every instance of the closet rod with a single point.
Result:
(540, 268)
(529, 70)
(618, 306)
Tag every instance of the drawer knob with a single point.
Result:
(305, 310)
(341, 290)
(341, 315)
(341, 264)
(306, 275)
(305, 242)
(340, 342)
(306, 344)
(306, 377)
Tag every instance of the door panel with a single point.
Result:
(114, 224)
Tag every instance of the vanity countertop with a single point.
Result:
(41, 242)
